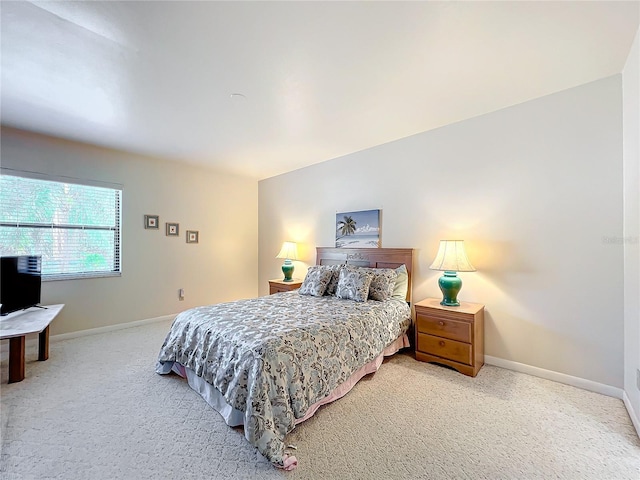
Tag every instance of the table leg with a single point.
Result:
(16, 359)
(43, 344)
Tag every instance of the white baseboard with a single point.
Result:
(632, 413)
(110, 328)
(31, 341)
(556, 377)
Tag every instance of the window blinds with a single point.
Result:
(76, 228)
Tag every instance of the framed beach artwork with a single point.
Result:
(358, 229)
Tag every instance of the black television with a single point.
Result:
(20, 282)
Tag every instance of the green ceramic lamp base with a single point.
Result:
(450, 285)
(287, 269)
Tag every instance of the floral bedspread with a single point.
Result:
(273, 357)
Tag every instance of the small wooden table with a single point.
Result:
(18, 324)
(452, 336)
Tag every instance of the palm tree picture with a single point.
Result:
(358, 229)
(347, 226)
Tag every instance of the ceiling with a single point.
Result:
(319, 79)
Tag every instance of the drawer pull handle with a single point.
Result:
(441, 343)
(441, 323)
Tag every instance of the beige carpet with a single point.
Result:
(97, 410)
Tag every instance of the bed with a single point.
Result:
(270, 362)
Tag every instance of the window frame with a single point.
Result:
(117, 230)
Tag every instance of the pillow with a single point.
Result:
(316, 281)
(333, 284)
(383, 283)
(354, 283)
(402, 284)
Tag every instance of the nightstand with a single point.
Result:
(452, 336)
(276, 286)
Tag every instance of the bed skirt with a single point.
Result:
(234, 417)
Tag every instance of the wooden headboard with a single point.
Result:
(368, 257)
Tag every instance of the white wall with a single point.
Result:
(536, 192)
(631, 237)
(222, 207)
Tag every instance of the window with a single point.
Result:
(76, 228)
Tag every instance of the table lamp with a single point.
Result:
(289, 251)
(451, 258)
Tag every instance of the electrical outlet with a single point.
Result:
(181, 294)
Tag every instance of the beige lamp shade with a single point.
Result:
(289, 251)
(451, 257)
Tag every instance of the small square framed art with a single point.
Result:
(192, 236)
(172, 229)
(152, 222)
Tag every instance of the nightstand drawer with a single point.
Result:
(278, 289)
(442, 347)
(441, 327)
(277, 286)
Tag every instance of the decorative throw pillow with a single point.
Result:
(383, 283)
(354, 283)
(402, 283)
(335, 276)
(316, 281)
